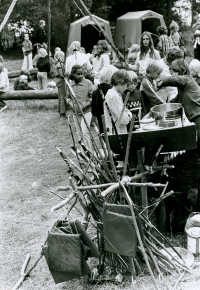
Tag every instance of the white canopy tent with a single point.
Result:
(133, 24)
(85, 31)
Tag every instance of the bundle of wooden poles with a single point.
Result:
(107, 183)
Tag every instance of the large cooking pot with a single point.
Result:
(167, 112)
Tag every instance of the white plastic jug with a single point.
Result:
(193, 240)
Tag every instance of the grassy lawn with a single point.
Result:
(30, 166)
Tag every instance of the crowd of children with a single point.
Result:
(150, 76)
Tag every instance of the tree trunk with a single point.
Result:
(17, 73)
(29, 95)
(169, 8)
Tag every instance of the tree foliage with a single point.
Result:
(65, 11)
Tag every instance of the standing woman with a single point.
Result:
(43, 68)
(102, 57)
(146, 53)
(59, 70)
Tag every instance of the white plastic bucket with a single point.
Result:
(193, 240)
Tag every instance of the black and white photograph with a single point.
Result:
(99, 145)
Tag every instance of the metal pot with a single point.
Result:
(168, 111)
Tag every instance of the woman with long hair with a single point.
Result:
(102, 57)
(146, 53)
(76, 57)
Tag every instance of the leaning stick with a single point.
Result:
(162, 256)
(130, 203)
(71, 206)
(102, 31)
(81, 200)
(108, 148)
(92, 137)
(178, 281)
(96, 186)
(23, 275)
(103, 146)
(168, 252)
(155, 206)
(64, 199)
(128, 145)
(123, 109)
(64, 202)
(16, 286)
(151, 226)
(153, 259)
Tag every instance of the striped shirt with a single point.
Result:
(165, 43)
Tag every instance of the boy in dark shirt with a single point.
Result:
(135, 100)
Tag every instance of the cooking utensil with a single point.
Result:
(164, 111)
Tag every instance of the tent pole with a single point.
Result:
(103, 32)
(49, 26)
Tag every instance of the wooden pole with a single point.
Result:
(121, 57)
(3, 23)
(49, 27)
(143, 180)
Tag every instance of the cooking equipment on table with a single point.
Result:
(167, 124)
(168, 112)
(148, 121)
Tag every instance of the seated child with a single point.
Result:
(194, 67)
(4, 85)
(23, 84)
(23, 72)
(135, 98)
(148, 87)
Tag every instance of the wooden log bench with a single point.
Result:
(29, 95)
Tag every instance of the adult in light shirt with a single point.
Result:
(76, 57)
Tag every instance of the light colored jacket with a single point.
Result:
(115, 104)
(77, 58)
